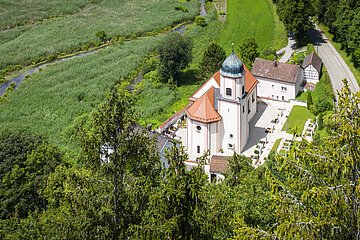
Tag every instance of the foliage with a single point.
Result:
(316, 188)
(175, 55)
(102, 36)
(249, 51)
(26, 162)
(252, 19)
(212, 60)
(174, 207)
(320, 121)
(297, 119)
(115, 146)
(200, 21)
(309, 101)
(342, 17)
(295, 14)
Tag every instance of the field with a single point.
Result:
(249, 18)
(21, 45)
(50, 100)
(297, 119)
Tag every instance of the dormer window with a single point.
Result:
(228, 92)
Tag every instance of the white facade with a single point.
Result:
(311, 74)
(278, 90)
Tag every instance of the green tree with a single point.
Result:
(175, 55)
(175, 207)
(295, 14)
(26, 163)
(212, 60)
(249, 51)
(316, 188)
(321, 121)
(309, 101)
(123, 151)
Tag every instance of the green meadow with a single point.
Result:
(49, 101)
(248, 18)
(54, 36)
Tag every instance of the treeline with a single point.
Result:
(343, 19)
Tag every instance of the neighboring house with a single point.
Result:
(278, 81)
(312, 68)
(220, 111)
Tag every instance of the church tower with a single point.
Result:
(232, 105)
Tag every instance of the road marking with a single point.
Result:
(337, 61)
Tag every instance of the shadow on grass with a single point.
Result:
(189, 77)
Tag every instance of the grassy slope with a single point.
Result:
(297, 118)
(121, 17)
(48, 101)
(251, 18)
(347, 59)
(158, 101)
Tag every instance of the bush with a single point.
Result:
(200, 21)
(181, 8)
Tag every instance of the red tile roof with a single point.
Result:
(203, 110)
(250, 80)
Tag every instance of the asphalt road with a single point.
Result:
(333, 62)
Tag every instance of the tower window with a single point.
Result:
(198, 128)
(198, 149)
(243, 108)
(243, 90)
(228, 92)
(253, 97)
(231, 136)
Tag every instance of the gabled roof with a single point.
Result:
(314, 60)
(275, 70)
(203, 110)
(207, 84)
(250, 80)
(219, 164)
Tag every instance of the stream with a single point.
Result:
(20, 78)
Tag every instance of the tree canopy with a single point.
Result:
(249, 51)
(212, 60)
(175, 55)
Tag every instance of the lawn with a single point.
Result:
(297, 119)
(21, 45)
(49, 101)
(276, 145)
(248, 18)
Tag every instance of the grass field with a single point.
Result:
(50, 100)
(248, 18)
(21, 45)
(297, 119)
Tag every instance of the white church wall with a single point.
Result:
(198, 138)
(276, 90)
(252, 100)
(214, 137)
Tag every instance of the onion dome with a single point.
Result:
(232, 66)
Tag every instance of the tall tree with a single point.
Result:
(175, 55)
(125, 153)
(295, 14)
(249, 51)
(212, 60)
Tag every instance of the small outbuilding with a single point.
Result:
(312, 68)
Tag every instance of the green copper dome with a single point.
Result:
(232, 66)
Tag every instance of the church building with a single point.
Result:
(220, 110)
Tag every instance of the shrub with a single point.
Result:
(200, 21)
(181, 8)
